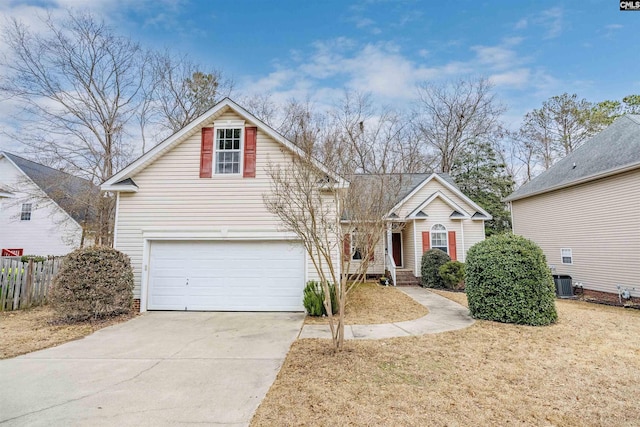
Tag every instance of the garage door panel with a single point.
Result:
(226, 276)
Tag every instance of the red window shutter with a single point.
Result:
(250, 134)
(452, 246)
(346, 247)
(206, 153)
(426, 241)
(372, 249)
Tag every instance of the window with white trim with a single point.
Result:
(439, 238)
(566, 254)
(228, 150)
(25, 213)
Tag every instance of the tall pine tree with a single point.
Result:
(482, 175)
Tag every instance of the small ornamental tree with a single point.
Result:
(93, 282)
(432, 260)
(507, 280)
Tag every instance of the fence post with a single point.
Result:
(29, 284)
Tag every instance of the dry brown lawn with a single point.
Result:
(369, 303)
(24, 331)
(582, 371)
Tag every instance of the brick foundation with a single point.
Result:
(136, 305)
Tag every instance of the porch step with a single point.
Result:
(406, 278)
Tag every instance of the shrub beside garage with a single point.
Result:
(94, 282)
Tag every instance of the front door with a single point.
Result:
(396, 246)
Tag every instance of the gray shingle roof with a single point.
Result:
(614, 149)
(407, 182)
(61, 187)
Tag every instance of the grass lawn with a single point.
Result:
(391, 305)
(582, 371)
(24, 331)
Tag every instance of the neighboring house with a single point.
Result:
(191, 215)
(583, 211)
(40, 211)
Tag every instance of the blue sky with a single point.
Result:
(316, 49)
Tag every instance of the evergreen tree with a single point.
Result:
(482, 175)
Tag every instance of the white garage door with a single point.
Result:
(226, 276)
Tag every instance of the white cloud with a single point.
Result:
(552, 19)
(518, 78)
(521, 24)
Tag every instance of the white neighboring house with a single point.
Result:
(39, 210)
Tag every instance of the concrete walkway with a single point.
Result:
(444, 315)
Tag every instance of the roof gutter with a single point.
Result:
(588, 178)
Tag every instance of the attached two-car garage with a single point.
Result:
(226, 275)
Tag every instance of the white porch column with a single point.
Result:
(388, 250)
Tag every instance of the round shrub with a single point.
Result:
(432, 260)
(93, 282)
(507, 280)
(452, 274)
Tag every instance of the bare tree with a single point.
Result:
(452, 115)
(373, 140)
(327, 215)
(79, 86)
(182, 91)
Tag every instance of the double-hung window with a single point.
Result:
(567, 255)
(25, 213)
(439, 238)
(228, 150)
(356, 251)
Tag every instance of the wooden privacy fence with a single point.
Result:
(25, 284)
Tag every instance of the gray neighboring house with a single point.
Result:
(583, 211)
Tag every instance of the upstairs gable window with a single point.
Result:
(228, 152)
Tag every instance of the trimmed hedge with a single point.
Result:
(93, 282)
(432, 260)
(507, 280)
(313, 299)
(452, 274)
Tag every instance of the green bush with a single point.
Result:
(35, 258)
(507, 280)
(452, 273)
(314, 299)
(93, 282)
(432, 260)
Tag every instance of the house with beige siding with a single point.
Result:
(190, 214)
(583, 211)
(430, 212)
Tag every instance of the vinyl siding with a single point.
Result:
(438, 213)
(425, 192)
(598, 220)
(51, 231)
(171, 195)
(408, 247)
(377, 266)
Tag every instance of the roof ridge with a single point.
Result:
(45, 166)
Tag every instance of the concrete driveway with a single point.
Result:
(162, 368)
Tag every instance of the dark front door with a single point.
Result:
(396, 245)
